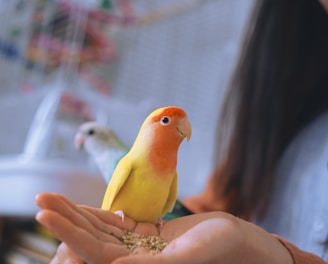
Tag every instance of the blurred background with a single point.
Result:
(65, 62)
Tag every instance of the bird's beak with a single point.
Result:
(79, 141)
(185, 128)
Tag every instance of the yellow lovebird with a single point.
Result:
(144, 183)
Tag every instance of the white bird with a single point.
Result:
(101, 142)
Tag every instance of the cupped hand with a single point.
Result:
(217, 237)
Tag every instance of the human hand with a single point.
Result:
(214, 237)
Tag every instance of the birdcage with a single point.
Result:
(64, 62)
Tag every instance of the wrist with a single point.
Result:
(263, 247)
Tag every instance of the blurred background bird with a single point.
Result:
(103, 144)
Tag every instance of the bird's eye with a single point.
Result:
(91, 132)
(165, 120)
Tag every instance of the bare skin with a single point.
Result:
(324, 3)
(216, 237)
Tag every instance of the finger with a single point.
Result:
(91, 218)
(106, 221)
(64, 206)
(57, 203)
(69, 210)
(110, 218)
(65, 255)
(45, 200)
(87, 246)
(148, 229)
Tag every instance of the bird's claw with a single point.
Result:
(160, 222)
(120, 213)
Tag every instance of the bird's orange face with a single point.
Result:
(171, 125)
(165, 129)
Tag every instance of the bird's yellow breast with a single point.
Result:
(143, 196)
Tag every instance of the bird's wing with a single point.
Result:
(120, 175)
(171, 199)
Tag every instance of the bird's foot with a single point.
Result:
(120, 213)
(160, 222)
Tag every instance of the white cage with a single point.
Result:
(63, 62)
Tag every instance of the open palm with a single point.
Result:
(214, 237)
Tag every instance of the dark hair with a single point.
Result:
(280, 84)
